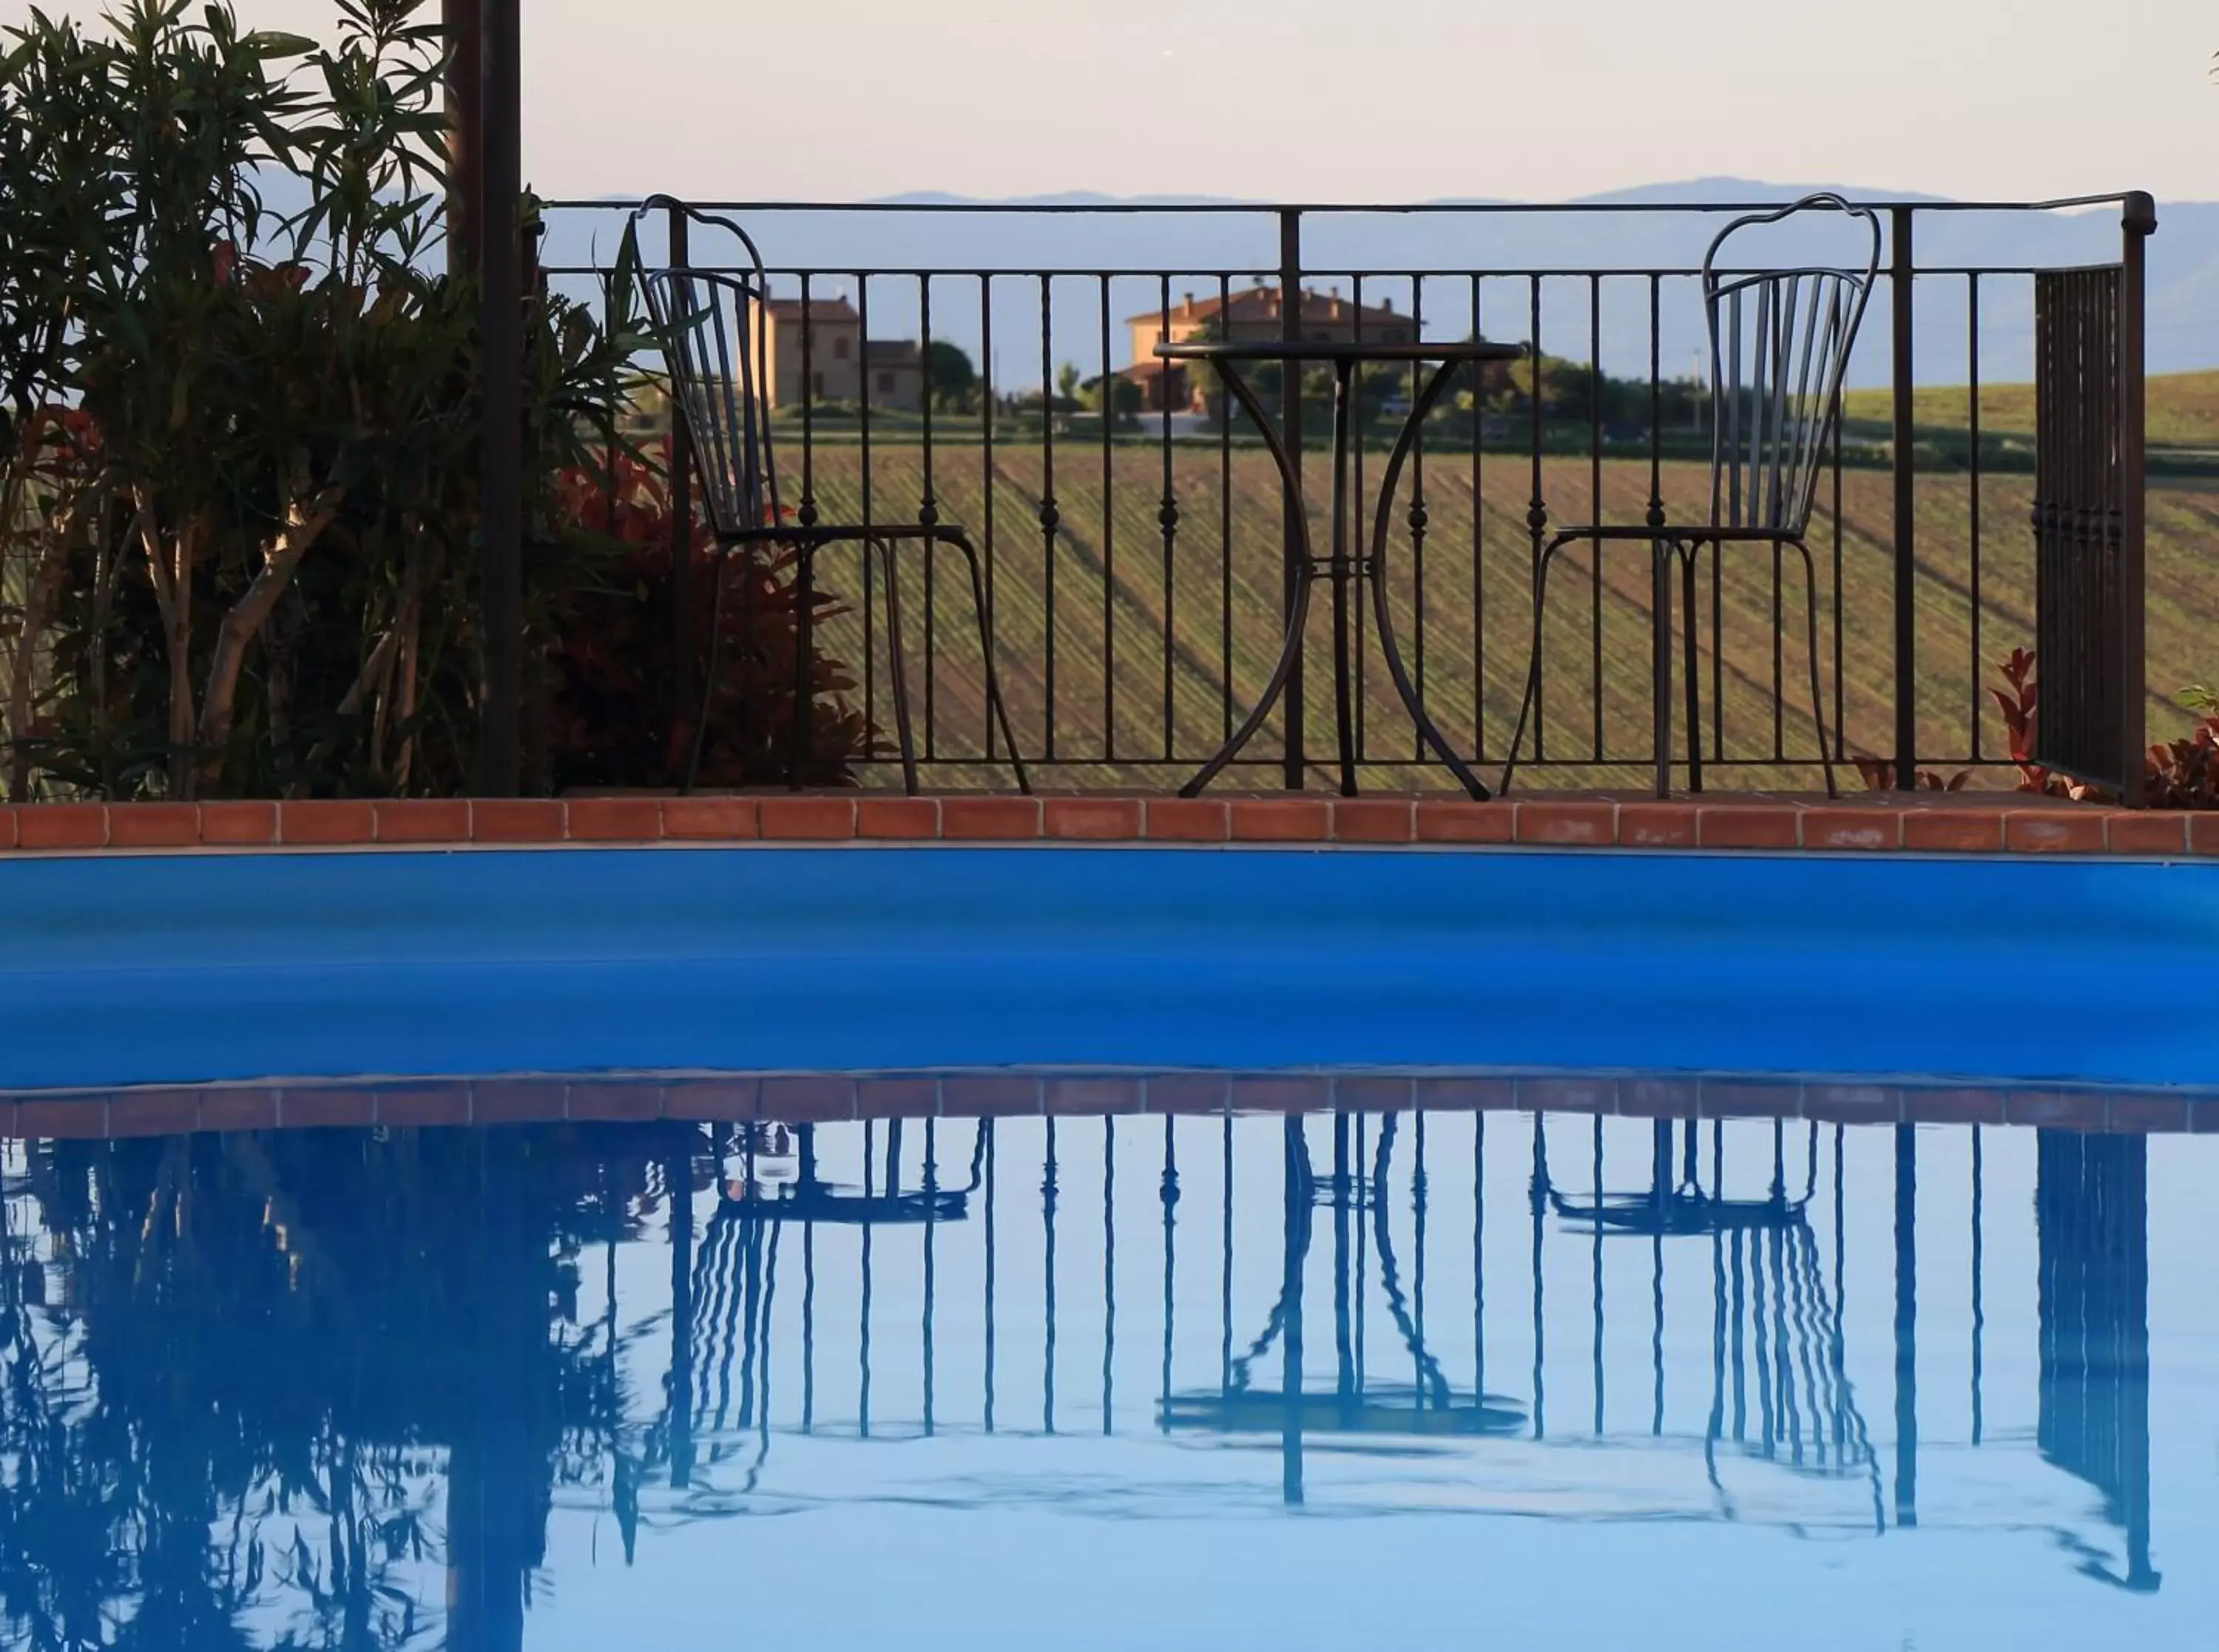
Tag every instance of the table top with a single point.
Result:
(1313, 350)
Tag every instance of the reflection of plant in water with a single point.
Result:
(296, 1376)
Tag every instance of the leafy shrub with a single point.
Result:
(615, 719)
(258, 576)
(2176, 774)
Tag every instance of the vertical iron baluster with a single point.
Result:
(1355, 494)
(1537, 512)
(807, 513)
(1594, 498)
(1224, 529)
(1418, 520)
(1902, 279)
(1167, 520)
(1478, 543)
(928, 509)
(1972, 464)
(1292, 763)
(1772, 387)
(1655, 518)
(990, 391)
(863, 442)
(1049, 516)
(1108, 415)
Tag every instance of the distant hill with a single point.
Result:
(2182, 410)
(1204, 246)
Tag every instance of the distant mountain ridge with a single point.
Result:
(1214, 239)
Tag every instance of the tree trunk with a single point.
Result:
(45, 580)
(170, 567)
(305, 523)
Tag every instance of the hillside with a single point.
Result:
(1136, 630)
(2183, 410)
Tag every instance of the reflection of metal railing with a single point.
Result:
(720, 1393)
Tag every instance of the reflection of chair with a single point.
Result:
(1670, 1209)
(1387, 1411)
(1780, 344)
(808, 1198)
(1682, 1213)
(713, 327)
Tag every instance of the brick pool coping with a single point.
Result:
(798, 1098)
(1992, 823)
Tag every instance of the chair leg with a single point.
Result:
(1817, 694)
(709, 682)
(1690, 620)
(896, 666)
(997, 707)
(1533, 670)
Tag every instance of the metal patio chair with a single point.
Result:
(1780, 340)
(712, 325)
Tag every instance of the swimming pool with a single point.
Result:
(1100, 1247)
(567, 960)
(1082, 1381)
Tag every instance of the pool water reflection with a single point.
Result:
(1109, 1382)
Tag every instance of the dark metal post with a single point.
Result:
(1904, 459)
(1290, 427)
(1906, 1324)
(2140, 224)
(678, 1399)
(1290, 1293)
(686, 691)
(500, 341)
(465, 131)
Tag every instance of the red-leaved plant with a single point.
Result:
(2019, 701)
(2185, 774)
(2176, 773)
(615, 718)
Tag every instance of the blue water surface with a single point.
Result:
(847, 958)
(1337, 1381)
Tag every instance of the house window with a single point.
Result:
(886, 384)
(816, 383)
(840, 350)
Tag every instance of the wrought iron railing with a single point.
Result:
(1134, 533)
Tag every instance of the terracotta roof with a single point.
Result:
(820, 310)
(1314, 306)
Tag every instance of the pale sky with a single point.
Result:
(1323, 100)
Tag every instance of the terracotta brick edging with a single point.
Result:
(2003, 824)
(805, 1098)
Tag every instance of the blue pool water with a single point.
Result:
(1212, 1379)
(1320, 1382)
(473, 963)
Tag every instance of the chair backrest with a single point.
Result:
(713, 324)
(1780, 339)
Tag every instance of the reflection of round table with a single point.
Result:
(1342, 566)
